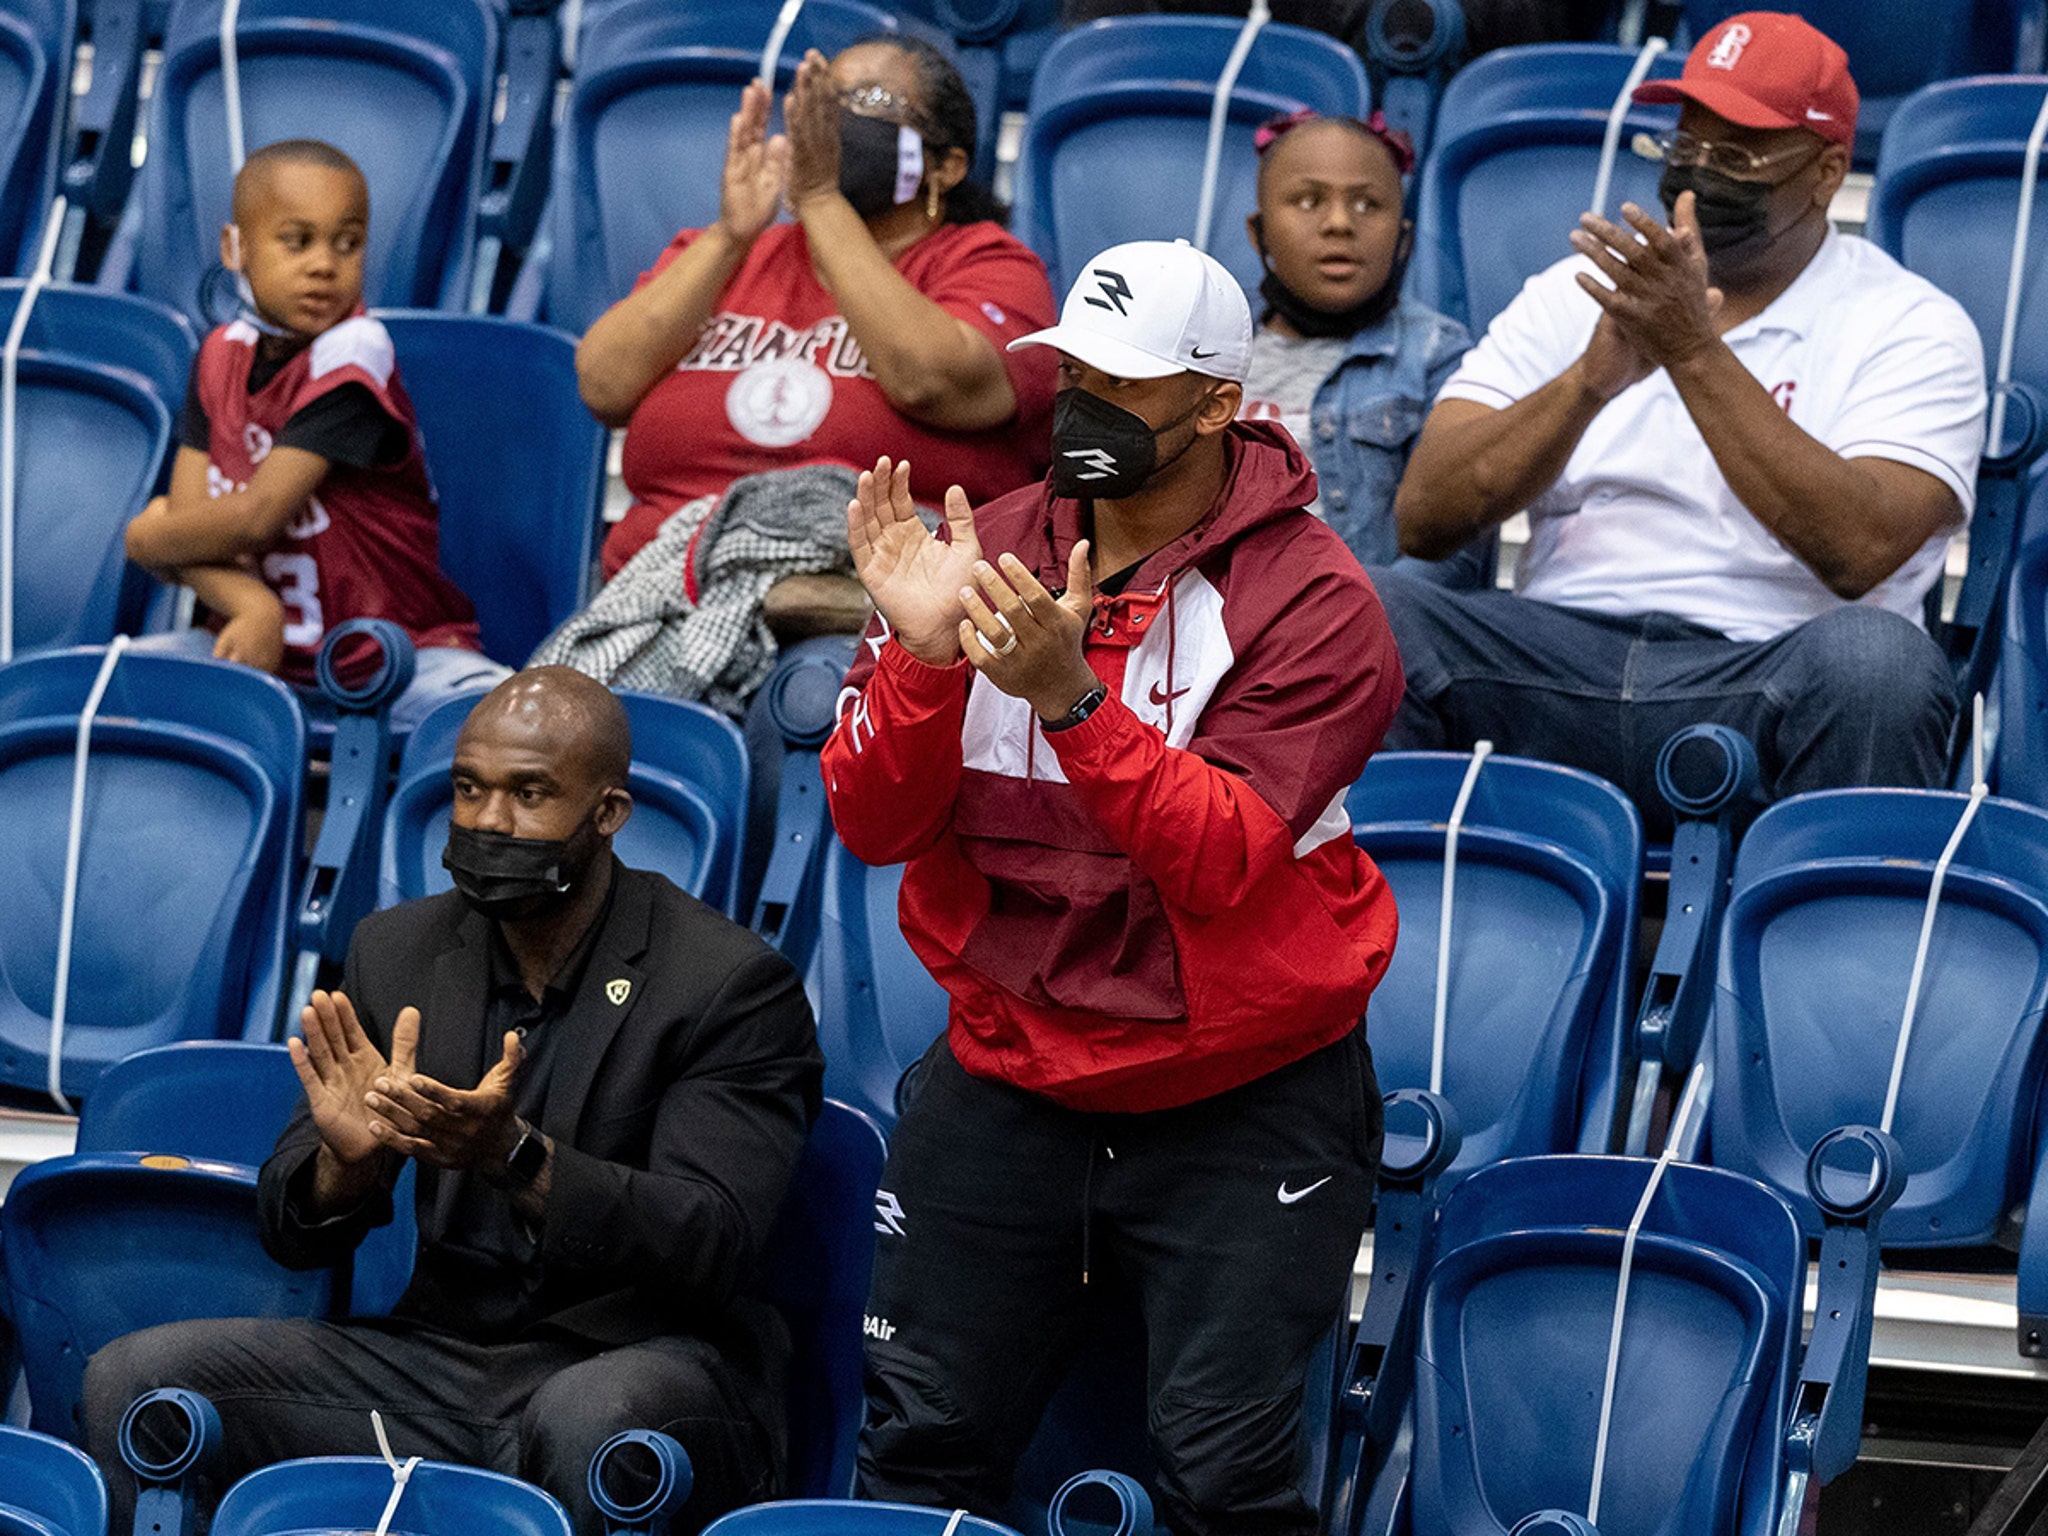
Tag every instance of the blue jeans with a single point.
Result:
(1855, 697)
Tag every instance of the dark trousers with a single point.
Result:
(1234, 1221)
(1858, 696)
(536, 1409)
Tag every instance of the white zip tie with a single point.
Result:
(1978, 790)
(231, 82)
(1481, 751)
(953, 1524)
(2023, 223)
(1694, 1085)
(400, 1473)
(572, 28)
(771, 56)
(74, 838)
(10, 363)
(1219, 112)
(1610, 144)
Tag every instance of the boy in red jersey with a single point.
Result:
(300, 496)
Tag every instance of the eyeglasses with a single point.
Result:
(1731, 160)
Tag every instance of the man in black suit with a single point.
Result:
(604, 1085)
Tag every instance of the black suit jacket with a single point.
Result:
(685, 1080)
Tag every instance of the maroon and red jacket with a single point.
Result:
(1164, 901)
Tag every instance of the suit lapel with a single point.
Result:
(613, 984)
(452, 1032)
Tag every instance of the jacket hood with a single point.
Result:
(1266, 477)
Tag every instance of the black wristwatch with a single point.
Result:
(528, 1156)
(1088, 703)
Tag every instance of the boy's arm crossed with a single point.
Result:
(189, 527)
(253, 631)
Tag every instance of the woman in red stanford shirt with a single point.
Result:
(876, 321)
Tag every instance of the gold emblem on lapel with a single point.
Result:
(618, 991)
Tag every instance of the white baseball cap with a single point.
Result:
(1149, 308)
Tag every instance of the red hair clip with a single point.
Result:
(1399, 145)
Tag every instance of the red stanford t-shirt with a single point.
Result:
(367, 545)
(777, 380)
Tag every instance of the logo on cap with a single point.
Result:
(1728, 47)
(1114, 290)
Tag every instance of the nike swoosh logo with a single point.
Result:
(1161, 698)
(1289, 1196)
(1198, 353)
(1820, 117)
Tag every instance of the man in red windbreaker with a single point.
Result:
(1110, 721)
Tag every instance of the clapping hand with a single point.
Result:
(446, 1127)
(1026, 641)
(1661, 304)
(810, 112)
(337, 1064)
(914, 579)
(756, 169)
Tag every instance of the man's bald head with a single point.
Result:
(563, 712)
(254, 181)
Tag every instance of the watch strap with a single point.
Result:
(1085, 706)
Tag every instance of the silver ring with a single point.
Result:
(1005, 648)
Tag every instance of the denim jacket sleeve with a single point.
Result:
(1365, 420)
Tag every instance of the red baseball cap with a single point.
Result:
(1764, 69)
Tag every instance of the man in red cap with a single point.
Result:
(1743, 441)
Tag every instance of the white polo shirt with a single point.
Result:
(1869, 359)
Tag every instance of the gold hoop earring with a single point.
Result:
(931, 201)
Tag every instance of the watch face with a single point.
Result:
(528, 1154)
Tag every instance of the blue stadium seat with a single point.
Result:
(1543, 936)
(48, 1488)
(817, 1262)
(2022, 759)
(215, 1100)
(1816, 954)
(1895, 49)
(689, 785)
(1120, 122)
(100, 380)
(848, 1517)
(517, 462)
(639, 152)
(1715, 1422)
(327, 1494)
(36, 39)
(1516, 152)
(1944, 201)
(878, 1007)
(191, 837)
(405, 89)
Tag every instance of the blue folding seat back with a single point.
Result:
(48, 1488)
(36, 38)
(1816, 955)
(817, 1262)
(218, 1100)
(1946, 199)
(1543, 938)
(1895, 49)
(689, 785)
(849, 1517)
(2022, 753)
(1119, 125)
(639, 154)
(328, 1494)
(1516, 153)
(878, 1007)
(100, 379)
(1512, 1350)
(192, 818)
(101, 1245)
(405, 89)
(518, 466)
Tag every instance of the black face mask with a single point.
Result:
(1734, 216)
(1102, 450)
(512, 878)
(876, 163)
(1309, 321)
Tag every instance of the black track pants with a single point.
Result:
(1234, 1221)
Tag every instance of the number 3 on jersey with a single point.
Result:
(296, 580)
